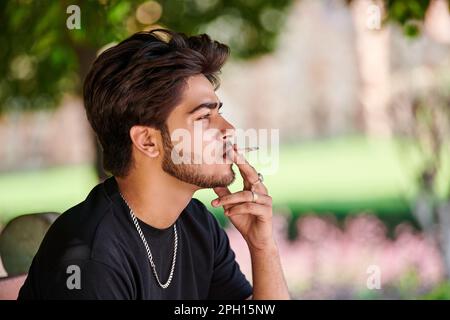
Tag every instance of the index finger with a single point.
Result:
(221, 192)
(248, 172)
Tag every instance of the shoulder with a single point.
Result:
(75, 234)
(197, 205)
(208, 220)
(199, 212)
(78, 279)
(86, 238)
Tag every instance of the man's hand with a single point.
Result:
(254, 222)
(252, 219)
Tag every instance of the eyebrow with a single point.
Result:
(209, 105)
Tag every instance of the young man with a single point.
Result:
(140, 234)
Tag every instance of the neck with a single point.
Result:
(156, 198)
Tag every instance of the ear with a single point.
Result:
(146, 139)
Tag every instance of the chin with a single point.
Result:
(229, 177)
(223, 169)
(223, 175)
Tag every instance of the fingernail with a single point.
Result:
(226, 212)
(215, 202)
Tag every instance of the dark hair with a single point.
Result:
(139, 81)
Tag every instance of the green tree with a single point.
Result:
(41, 58)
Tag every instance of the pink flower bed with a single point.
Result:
(327, 261)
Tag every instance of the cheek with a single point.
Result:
(204, 143)
(202, 137)
(209, 136)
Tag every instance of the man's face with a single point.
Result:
(197, 138)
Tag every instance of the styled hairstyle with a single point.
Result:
(139, 82)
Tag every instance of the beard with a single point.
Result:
(190, 173)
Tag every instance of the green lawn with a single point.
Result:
(342, 175)
(54, 189)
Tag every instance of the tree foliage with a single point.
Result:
(41, 58)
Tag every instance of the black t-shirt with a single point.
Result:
(93, 251)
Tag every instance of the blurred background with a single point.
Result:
(360, 94)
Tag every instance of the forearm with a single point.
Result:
(268, 278)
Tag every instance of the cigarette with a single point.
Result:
(248, 149)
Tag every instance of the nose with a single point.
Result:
(227, 130)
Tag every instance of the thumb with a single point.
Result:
(222, 191)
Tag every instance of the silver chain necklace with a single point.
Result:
(149, 253)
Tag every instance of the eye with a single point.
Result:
(206, 116)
